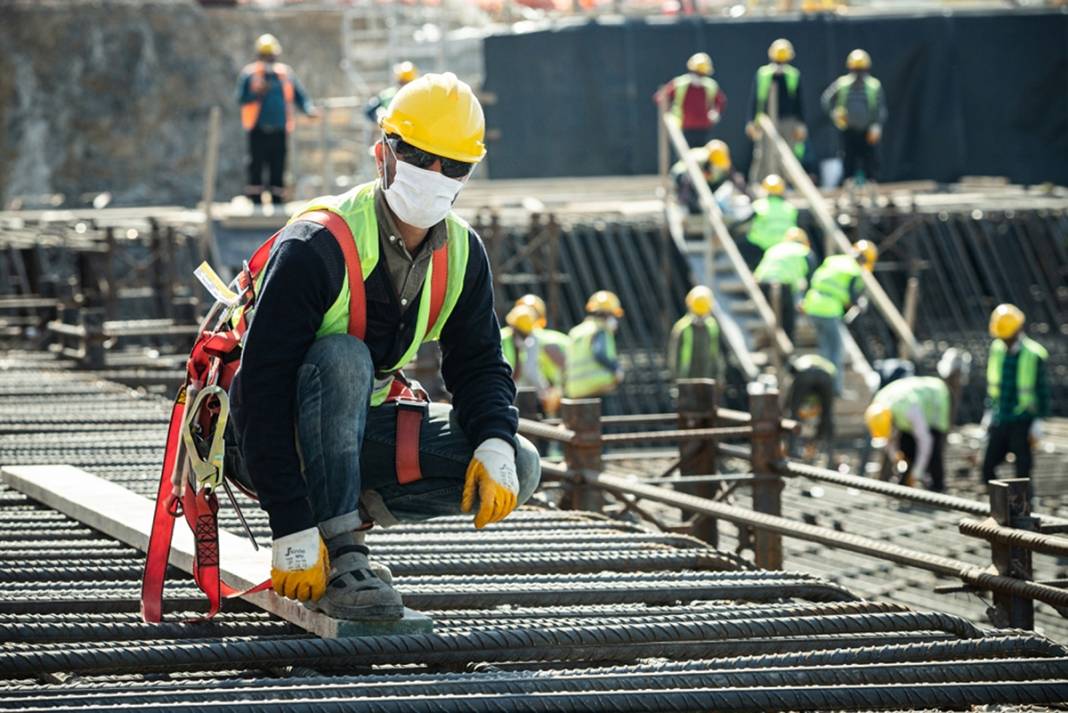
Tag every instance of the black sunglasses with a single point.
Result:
(419, 158)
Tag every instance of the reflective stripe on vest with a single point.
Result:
(929, 393)
(250, 111)
(585, 375)
(508, 346)
(785, 264)
(871, 89)
(682, 84)
(552, 353)
(815, 361)
(829, 294)
(449, 262)
(684, 328)
(1031, 352)
(763, 83)
(772, 217)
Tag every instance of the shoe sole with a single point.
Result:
(389, 612)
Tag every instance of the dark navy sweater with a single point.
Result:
(302, 281)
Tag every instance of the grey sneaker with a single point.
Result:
(357, 589)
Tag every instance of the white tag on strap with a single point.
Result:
(214, 284)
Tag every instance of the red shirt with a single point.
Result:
(696, 104)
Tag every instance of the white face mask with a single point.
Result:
(420, 197)
(612, 324)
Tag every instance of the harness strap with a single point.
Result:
(339, 228)
(411, 407)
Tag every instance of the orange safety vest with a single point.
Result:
(250, 111)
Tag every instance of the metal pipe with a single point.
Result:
(535, 429)
(681, 434)
(1036, 542)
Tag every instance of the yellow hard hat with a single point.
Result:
(440, 114)
(1006, 321)
(719, 155)
(537, 304)
(880, 420)
(699, 301)
(405, 72)
(858, 61)
(773, 184)
(867, 253)
(268, 44)
(781, 51)
(604, 302)
(797, 235)
(700, 63)
(522, 318)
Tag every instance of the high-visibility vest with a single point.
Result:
(683, 331)
(872, 86)
(448, 263)
(250, 111)
(785, 263)
(1031, 352)
(929, 393)
(763, 83)
(585, 375)
(815, 361)
(681, 85)
(552, 353)
(829, 294)
(772, 217)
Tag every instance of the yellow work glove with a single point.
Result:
(875, 134)
(491, 474)
(840, 117)
(300, 565)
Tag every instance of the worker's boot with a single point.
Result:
(358, 588)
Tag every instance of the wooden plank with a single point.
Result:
(127, 517)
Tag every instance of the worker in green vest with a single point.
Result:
(1017, 390)
(857, 107)
(836, 290)
(714, 160)
(787, 264)
(551, 336)
(915, 410)
(593, 367)
(694, 99)
(693, 349)
(810, 395)
(777, 94)
(773, 215)
(535, 360)
(403, 73)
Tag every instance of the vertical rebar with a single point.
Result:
(583, 453)
(697, 409)
(1010, 506)
(767, 485)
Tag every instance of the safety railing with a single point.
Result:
(587, 474)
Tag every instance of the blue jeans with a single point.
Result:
(348, 452)
(829, 341)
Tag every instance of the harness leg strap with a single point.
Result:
(409, 423)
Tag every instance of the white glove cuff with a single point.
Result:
(499, 446)
(297, 551)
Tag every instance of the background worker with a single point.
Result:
(857, 107)
(777, 93)
(268, 91)
(837, 288)
(550, 335)
(916, 410)
(403, 73)
(306, 382)
(693, 349)
(1017, 389)
(714, 160)
(535, 362)
(811, 395)
(695, 99)
(773, 215)
(593, 368)
(789, 265)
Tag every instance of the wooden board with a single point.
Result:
(127, 517)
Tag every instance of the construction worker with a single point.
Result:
(916, 410)
(693, 350)
(834, 296)
(593, 368)
(776, 93)
(714, 160)
(538, 304)
(268, 91)
(365, 457)
(789, 265)
(773, 215)
(811, 395)
(1017, 390)
(403, 73)
(857, 107)
(524, 344)
(695, 99)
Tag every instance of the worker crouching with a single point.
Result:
(910, 416)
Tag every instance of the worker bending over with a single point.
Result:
(1017, 390)
(773, 215)
(593, 367)
(693, 350)
(536, 361)
(695, 99)
(915, 409)
(714, 160)
(811, 395)
(331, 438)
(787, 264)
(777, 93)
(857, 107)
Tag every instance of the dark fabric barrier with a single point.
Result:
(968, 94)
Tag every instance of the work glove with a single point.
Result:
(752, 131)
(840, 118)
(491, 474)
(800, 133)
(875, 133)
(1034, 434)
(550, 400)
(619, 376)
(300, 565)
(713, 116)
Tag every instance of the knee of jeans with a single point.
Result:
(528, 468)
(342, 361)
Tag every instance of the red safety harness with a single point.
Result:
(213, 362)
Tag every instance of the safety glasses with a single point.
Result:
(424, 159)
